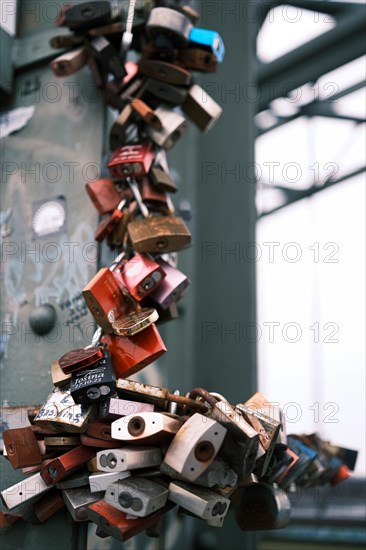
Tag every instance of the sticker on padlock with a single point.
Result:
(104, 195)
(84, 16)
(93, 385)
(195, 446)
(120, 525)
(150, 428)
(218, 473)
(201, 502)
(172, 287)
(174, 126)
(262, 507)
(209, 40)
(99, 481)
(137, 496)
(59, 377)
(77, 501)
(141, 275)
(24, 491)
(105, 299)
(166, 72)
(169, 24)
(107, 57)
(61, 413)
(131, 161)
(201, 108)
(166, 92)
(130, 354)
(69, 63)
(128, 458)
(114, 408)
(158, 234)
(66, 464)
(196, 59)
(22, 447)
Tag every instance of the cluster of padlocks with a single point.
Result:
(114, 451)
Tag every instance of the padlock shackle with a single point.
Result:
(200, 392)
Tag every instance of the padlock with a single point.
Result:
(166, 92)
(135, 322)
(100, 430)
(174, 127)
(196, 59)
(131, 161)
(169, 24)
(195, 446)
(162, 180)
(137, 496)
(282, 460)
(146, 113)
(84, 16)
(151, 195)
(66, 464)
(262, 507)
(189, 12)
(22, 447)
(166, 72)
(120, 525)
(141, 275)
(130, 354)
(172, 287)
(8, 519)
(128, 458)
(59, 377)
(306, 457)
(117, 133)
(156, 234)
(105, 30)
(107, 57)
(66, 41)
(110, 221)
(79, 359)
(241, 453)
(201, 502)
(201, 108)
(146, 428)
(93, 385)
(77, 501)
(103, 194)
(218, 473)
(116, 239)
(61, 413)
(90, 441)
(69, 63)
(208, 40)
(24, 491)
(104, 299)
(114, 408)
(48, 505)
(99, 481)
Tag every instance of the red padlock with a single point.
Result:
(22, 447)
(140, 275)
(131, 354)
(131, 161)
(103, 194)
(104, 299)
(66, 464)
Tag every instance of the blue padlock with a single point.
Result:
(207, 39)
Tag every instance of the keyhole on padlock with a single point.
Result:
(136, 426)
(204, 451)
(125, 500)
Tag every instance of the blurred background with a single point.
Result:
(276, 195)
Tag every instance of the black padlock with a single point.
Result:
(93, 385)
(84, 16)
